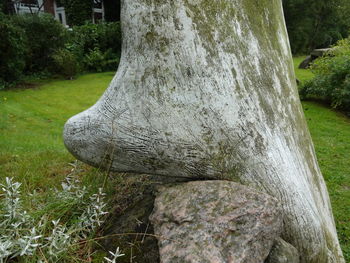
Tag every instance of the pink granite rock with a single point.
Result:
(216, 222)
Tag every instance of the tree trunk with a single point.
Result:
(206, 89)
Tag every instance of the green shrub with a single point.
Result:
(109, 37)
(103, 36)
(94, 60)
(93, 42)
(65, 63)
(332, 77)
(39, 46)
(45, 36)
(98, 61)
(12, 51)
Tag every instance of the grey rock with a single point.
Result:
(306, 63)
(283, 252)
(215, 221)
(316, 53)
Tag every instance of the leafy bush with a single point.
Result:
(24, 236)
(97, 61)
(109, 37)
(45, 36)
(40, 45)
(332, 77)
(12, 51)
(65, 63)
(104, 36)
(94, 60)
(97, 46)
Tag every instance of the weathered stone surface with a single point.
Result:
(215, 221)
(283, 252)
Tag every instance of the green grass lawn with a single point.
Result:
(330, 131)
(32, 150)
(31, 125)
(302, 74)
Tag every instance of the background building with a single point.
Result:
(57, 9)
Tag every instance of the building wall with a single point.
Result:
(49, 7)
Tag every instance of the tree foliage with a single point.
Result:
(316, 23)
(7, 7)
(78, 11)
(97, 46)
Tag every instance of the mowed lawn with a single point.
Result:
(330, 132)
(302, 74)
(31, 124)
(32, 150)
